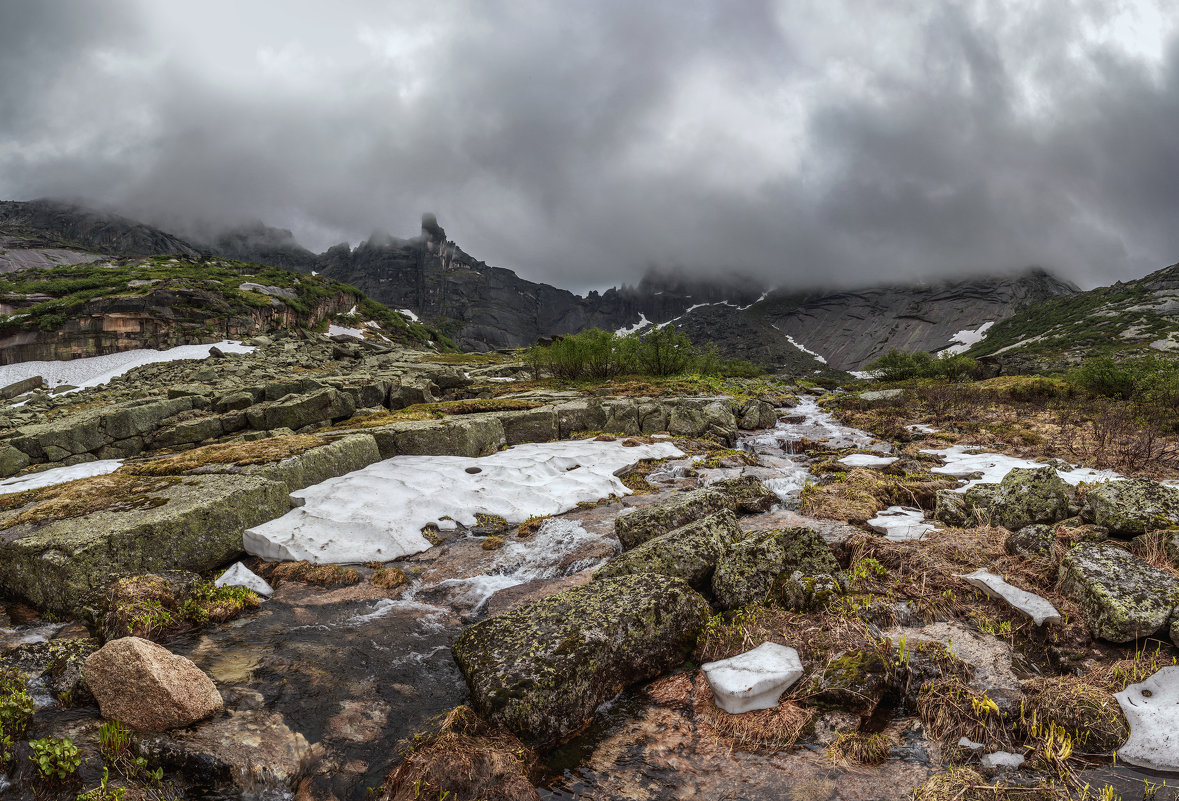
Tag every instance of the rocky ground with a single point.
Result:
(560, 656)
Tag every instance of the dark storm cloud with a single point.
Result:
(806, 142)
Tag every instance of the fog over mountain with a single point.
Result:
(801, 142)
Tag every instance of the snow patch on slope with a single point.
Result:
(94, 371)
(965, 339)
(58, 475)
(634, 329)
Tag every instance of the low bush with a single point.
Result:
(897, 365)
(661, 351)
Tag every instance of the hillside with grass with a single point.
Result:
(1130, 319)
(114, 305)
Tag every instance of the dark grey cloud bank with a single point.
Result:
(808, 142)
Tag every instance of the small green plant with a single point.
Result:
(103, 792)
(56, 758)
(16, 710)
(114, 741)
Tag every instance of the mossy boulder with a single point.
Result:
(1036, 540)
(190, 523)
(583, 414)
(856, 681)
(1029, 495)
(746, 574)
(758, 414)
(749, 495)
(689, 552)
(681, 508)
(296, 411)
(1133, 506)
(12, 461)
(703, 417)
(542, 669)
(1123, 598)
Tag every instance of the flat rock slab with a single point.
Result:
(190, 523)
(1032, 605)
(1152, 709)
(1122, 597)
(753, 680)
(1133, 506)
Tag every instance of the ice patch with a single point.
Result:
(1152, 709)
(1032, 605)
(754, 679)
(58, 475)
(1002, 759)
(901, 524)
(378, 513)
(339, 330)
(94, 371)
(967, 338)
(994, 466)
(241, 576)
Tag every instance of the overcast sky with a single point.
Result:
(806, 141)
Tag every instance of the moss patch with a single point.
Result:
(261, 451)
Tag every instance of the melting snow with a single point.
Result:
(1152, 708)
(94, 371)
(1032, 605)
(867, 460)
(58, 475)
(754, 679)
(960, 463)
(967, 337)
(901, 523)
(409, 314)
(339, 330)
(378, 513)
(241, 576)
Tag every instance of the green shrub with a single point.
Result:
(56, 758)
(665, 351)
(897, 365)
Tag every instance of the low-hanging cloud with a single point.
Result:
(805, 143)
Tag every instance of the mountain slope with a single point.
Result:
(1127, 319)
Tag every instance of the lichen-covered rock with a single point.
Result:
(703, 417)
(1029, 495)
(749, 495)
(758, 414)
(1133, 506)
(747, 572)
(689, 552)
(622, 416)
(190, 523)
(583, 414)
(648, 522)
(542, 669)
(147, 687)
(313, 466)
(11, 461)
(1123, 598)
(950, 508)
(57, 663)
(1035, 540)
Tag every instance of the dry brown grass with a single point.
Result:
(815, 636)
(434, 411)
(118, 491)
(462, 758)
(319, 575)
(389, 578)
(261, 451)
(861, 493)
(143, 606)
(853, 747)
(1088, 712)
(763, 730)
(967, 784)
(1152, 549)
